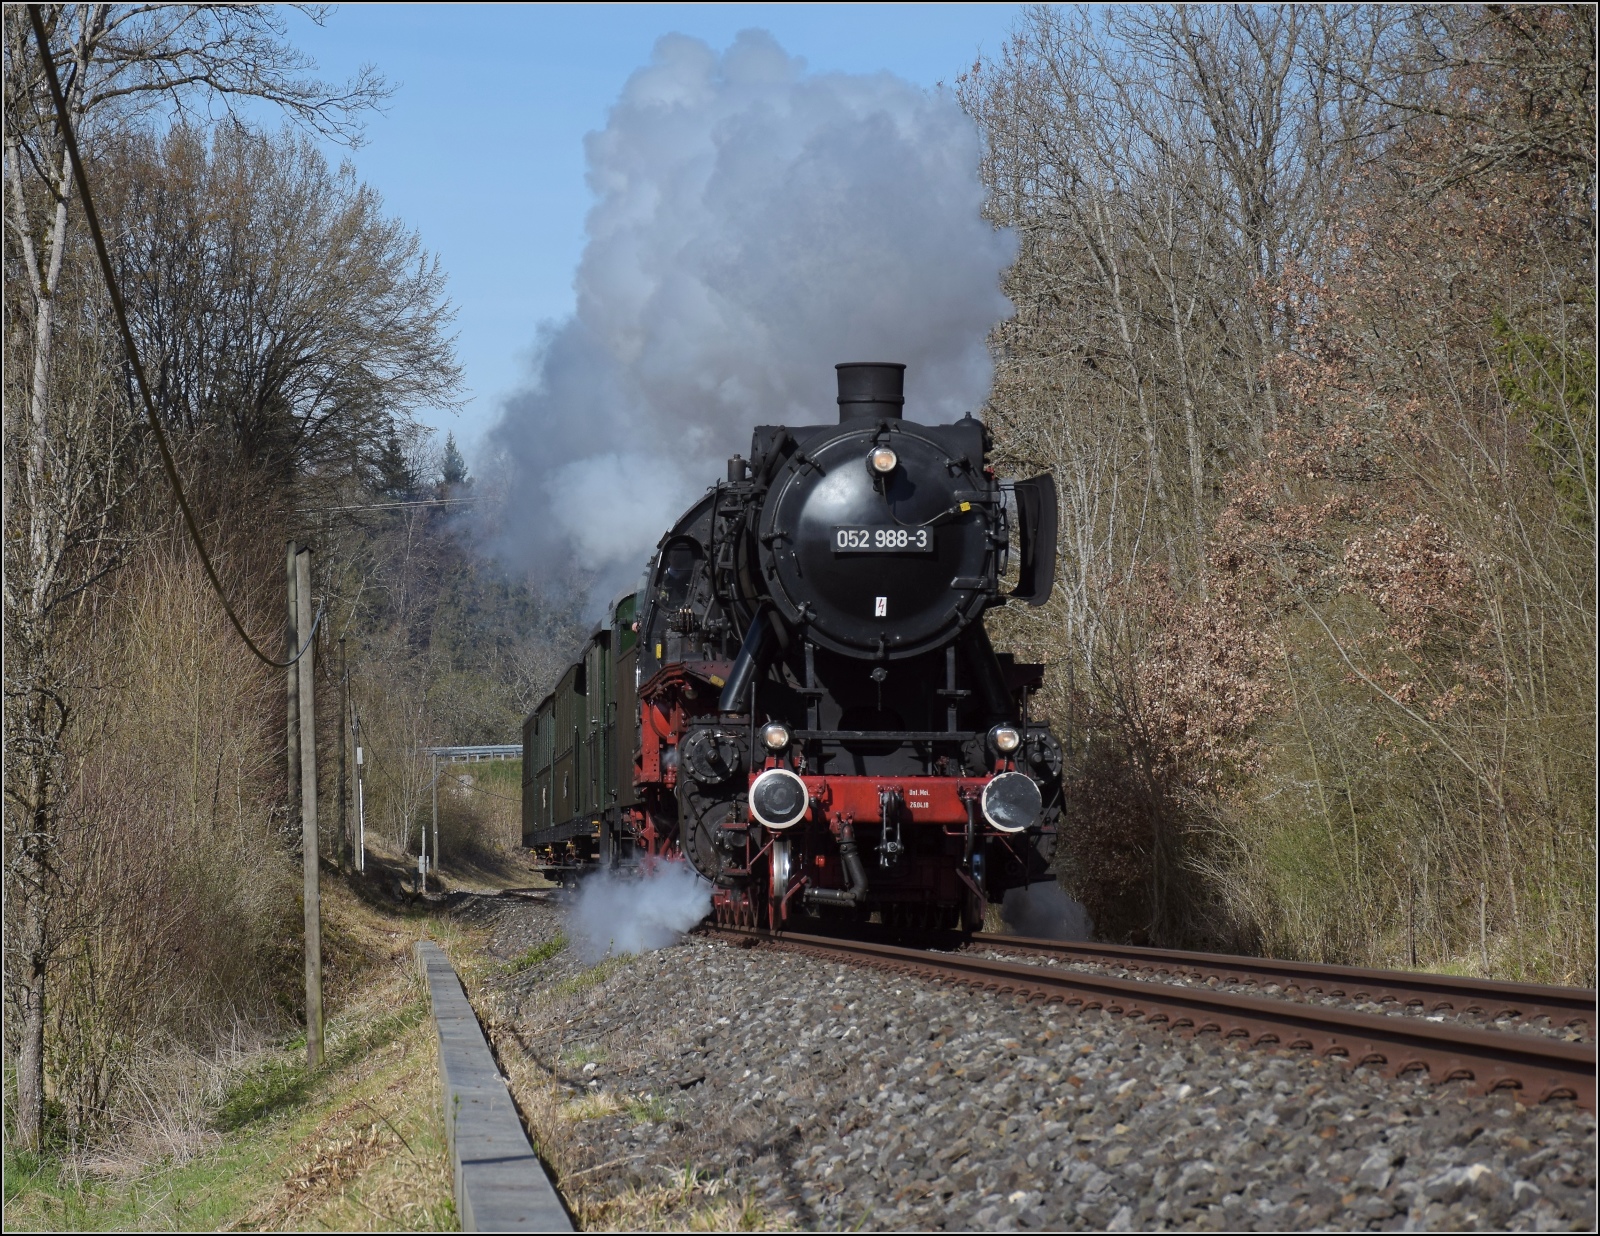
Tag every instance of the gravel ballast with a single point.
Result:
(823, 1096)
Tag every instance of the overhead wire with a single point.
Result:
(167, 461)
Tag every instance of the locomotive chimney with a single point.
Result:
(871, 389)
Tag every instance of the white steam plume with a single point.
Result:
(615, 915)
(755, 226)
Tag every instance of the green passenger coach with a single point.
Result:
(578, 744)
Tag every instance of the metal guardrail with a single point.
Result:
(494, 751)
(442, 758)
(500, 1184)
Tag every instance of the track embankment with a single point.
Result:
(1532, 1067)
(726, 1083)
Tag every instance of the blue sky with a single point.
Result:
(481, 148)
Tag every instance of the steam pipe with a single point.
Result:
(853, 870)
(753, 656)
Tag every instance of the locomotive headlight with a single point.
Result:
(1005, 739)
(882, 460)
(775, 736)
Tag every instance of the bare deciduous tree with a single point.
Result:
(66, 428)
(286, 322)
(1304, 327)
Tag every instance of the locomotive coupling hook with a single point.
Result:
(890, 846)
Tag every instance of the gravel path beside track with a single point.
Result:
(830, 1096)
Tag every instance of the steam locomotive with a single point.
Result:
(801, 699)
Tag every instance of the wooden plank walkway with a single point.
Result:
(500, 1184)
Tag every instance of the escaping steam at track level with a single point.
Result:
(613, 916)
(1046, 912)
(755, 225)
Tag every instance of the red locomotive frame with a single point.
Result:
(682, 692)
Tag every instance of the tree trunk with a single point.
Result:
(1103, 249)
(33, 949)
(310, 849)
(30, 995)
(41, 736)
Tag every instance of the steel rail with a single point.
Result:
(1492, 998)
(1535, 1067)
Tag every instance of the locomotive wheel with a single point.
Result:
(779, 865)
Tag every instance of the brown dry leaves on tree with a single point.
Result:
(1327, 577)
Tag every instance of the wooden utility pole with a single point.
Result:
(292, 732)
(308, 812)
(361, 800)
(344, 730)
(424, 865)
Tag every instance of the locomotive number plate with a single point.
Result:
(859, 540)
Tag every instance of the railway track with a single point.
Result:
(1534, 1067)
(1492, 1000)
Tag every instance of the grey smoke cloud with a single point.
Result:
(755, 225)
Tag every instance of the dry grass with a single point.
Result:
(267, 1145)
(174, 910)
(373, 1156)
(480, 806)
(685, 1202)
